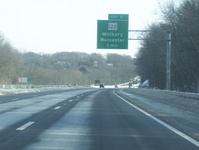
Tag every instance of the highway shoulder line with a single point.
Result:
(23, 127)
(186, 137)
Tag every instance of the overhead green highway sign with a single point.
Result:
(112, 34)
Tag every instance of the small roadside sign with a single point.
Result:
(24, 80)
(29, 79)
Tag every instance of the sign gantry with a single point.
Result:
(114, 34)
(158, 35)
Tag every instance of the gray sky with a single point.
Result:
(49, 26)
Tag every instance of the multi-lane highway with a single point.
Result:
(94, 119)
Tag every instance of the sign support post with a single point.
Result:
(168, 43)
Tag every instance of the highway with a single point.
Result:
(94, 119)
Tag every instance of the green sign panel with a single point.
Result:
(124, 17)
(29, 79)
(112, 34)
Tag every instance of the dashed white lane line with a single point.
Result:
(70, 100)
(58, 107)
(23, 127)
(186, 137)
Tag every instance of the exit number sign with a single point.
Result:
(124, 17)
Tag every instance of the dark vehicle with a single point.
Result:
(101, 85)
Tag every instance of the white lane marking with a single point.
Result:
(70, 100)
(186, 137)
(58, 107)
(25, 126)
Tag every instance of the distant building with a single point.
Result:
(109, 65)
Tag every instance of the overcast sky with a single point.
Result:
(49, 26)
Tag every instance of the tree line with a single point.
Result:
(63, 67)
(183, 23)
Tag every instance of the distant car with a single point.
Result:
(101, 85)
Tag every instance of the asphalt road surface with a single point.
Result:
(94, 119)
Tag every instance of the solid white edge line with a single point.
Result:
(188, 138)
(25, 126)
